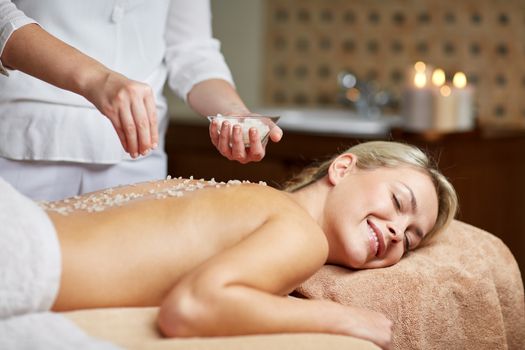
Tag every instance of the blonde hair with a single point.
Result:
(375, 154)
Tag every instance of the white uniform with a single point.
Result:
(47, 127)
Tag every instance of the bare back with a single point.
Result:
(133, 253)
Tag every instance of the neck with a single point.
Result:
(312, 198)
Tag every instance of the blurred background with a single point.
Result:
(448, 76)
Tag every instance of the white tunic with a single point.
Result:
(148, 41)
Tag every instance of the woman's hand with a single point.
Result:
(232, 147)
(365, 324)
(130, 106)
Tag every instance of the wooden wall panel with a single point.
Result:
(310, 41)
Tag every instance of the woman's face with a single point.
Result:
(372, 217)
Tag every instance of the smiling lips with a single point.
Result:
(375, 236)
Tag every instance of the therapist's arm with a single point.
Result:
(128, 104)
(199, 74)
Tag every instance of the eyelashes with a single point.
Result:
(397, 203)
(407, 243)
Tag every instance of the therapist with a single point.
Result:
(81, 105)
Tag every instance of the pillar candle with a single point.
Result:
(445, 110)
(418, 101)
(418, 104)
(464, 96)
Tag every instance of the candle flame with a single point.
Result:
(353, 94)
(420, 79)
(445, 91)
(438, 77)
(459, 80)
(420, 66)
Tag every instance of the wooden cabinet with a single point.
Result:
(488, 173)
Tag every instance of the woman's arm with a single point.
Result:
(129, 105)
(243, 290)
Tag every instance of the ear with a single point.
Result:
(341, 166)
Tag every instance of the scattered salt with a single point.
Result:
(107, 199)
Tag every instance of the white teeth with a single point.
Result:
(373, 234)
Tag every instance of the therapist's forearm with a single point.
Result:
(214, 96)
(129, 105)
(34, 51)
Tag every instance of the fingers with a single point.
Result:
(130, 106)
(223, 144)
(256, 152)
(130, 131)
(214, 133)
(238, 150)
(276, 134)
(142, 126)
(229, 141)
(151, 110)
(379, 329)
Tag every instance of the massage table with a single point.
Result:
(463, 290)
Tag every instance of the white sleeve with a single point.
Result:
(192, 54)
(11, 19)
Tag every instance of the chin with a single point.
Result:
(356, 259)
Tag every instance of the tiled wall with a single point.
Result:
(309, 42)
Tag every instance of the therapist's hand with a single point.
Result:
(232, 147)
(213, 96)
(130, 106)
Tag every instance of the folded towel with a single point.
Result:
(462, 291)
(30, 260)
(30, 266)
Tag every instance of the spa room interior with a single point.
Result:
(291, 58)
(340, 72)
(445, 75)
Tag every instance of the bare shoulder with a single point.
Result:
(290, 218)
(284, 243)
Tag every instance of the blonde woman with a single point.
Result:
(220, 258)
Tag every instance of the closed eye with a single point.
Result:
(407, 244)
(397, 204)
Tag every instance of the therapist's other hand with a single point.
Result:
(130, 106)
(232, 147)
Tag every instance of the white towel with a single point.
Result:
(30, 261)
(30, 268)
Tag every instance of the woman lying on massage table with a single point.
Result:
(220, 258)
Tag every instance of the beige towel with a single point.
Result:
(462, 291)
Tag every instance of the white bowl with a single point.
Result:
(263, 123)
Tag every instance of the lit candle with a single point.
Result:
(438, 77)
(444, 102)
(464, 96)
(445, 109)
(417, 100)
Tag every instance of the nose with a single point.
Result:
(396, 232)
